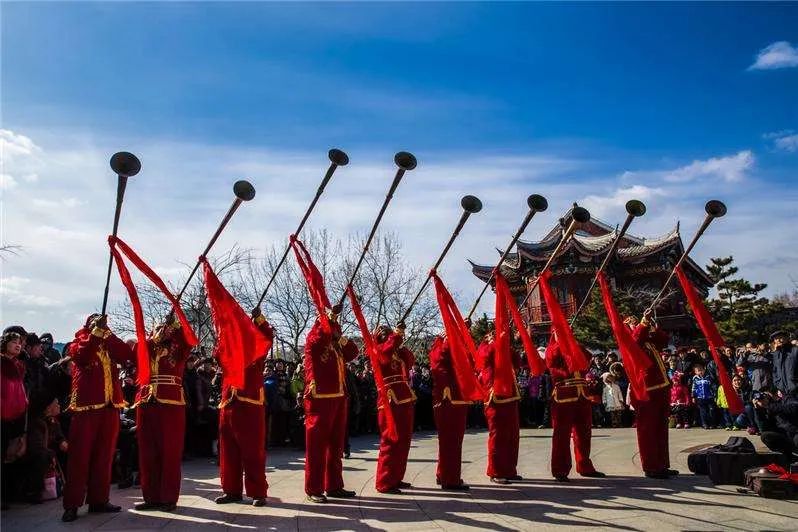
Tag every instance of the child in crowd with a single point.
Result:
(703, 393)
(612, 398)
(680, 401)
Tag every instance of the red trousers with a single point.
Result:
(160, 431)
(92, 444)
(242, 449)
(567, 419)
(451, 422)
(325, 432)
(652, 430)
(503, 438)
(392, 460)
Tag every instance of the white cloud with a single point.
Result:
(780, 54)
(614, 202)
(168, 221)
(731, 168)
(7, 182)
(786, 140)
(13, 144)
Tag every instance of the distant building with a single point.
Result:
(640, 263)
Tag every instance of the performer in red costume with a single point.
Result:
(326, 353)
(451, 412)
(161, 418)
(652, 415)
(501, 414)
(242, 430)
(95, 403)
(571, 414)
(395, 362)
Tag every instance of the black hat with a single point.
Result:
(32, 339)
(778, 334)
(16, 329)
(46, 337)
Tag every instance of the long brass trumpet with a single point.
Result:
(714, 209)
(634, 209)
(125, 165)
(536, 203)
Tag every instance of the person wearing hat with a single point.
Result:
(95, 402)
(242, 430)
(36, 372)
(785, 363)
(395, 362)
(49, 353)
(161, 418)
(652, 414)
(326, 353)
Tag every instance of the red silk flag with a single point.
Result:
(503, 378)
(314, 280)
(239, 343)
(635, 360)
(461, 344)
(536, 364)
(571, 350)
(714, 340)
(371, 350)
(119, 248)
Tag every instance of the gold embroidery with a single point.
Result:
(234, 396)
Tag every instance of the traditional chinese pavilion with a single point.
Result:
(641, 264)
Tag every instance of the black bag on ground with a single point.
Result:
(698, 463)
(730, 468)
(768, 485)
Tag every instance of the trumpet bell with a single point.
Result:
(471, 204)
(125, 164)
(405, 160)
(580, 214)
(536, 202)
(338, 157)
(244, 190)
(635, 207)
(715, 208)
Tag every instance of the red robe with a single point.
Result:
(652, 415)
(451, 413)
(325, 408)
(161, 419)
(395, 363)
(95, 400)
(501, 413)
(242, 429)
(571, 414)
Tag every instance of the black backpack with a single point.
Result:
(698, 461)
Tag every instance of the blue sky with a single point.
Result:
(597, 103)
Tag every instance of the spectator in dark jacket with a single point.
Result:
(49, 353)
(36, 373)
(45, 439)
(785, 363)
(760, 365)
(780, 433)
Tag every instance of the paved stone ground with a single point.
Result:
(624, 501)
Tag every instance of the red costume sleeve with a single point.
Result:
(408, 358)
(83, 347)
(118, 350)
(386, 349)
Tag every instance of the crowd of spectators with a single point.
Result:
(36, 382)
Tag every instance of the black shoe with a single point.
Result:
(594, 474)
(341, 494)
(106, 508)
(347, 455)
(147, 506)
(404, 485)
(392, 491)
(515, 477)
(672, 472)
(168, 507)
(319, 499)
(260, 501)
(438, 481)
(456, 487)
(657, 474)
(562, 478)
(497, 480)
(227, 499)
(70, 514)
